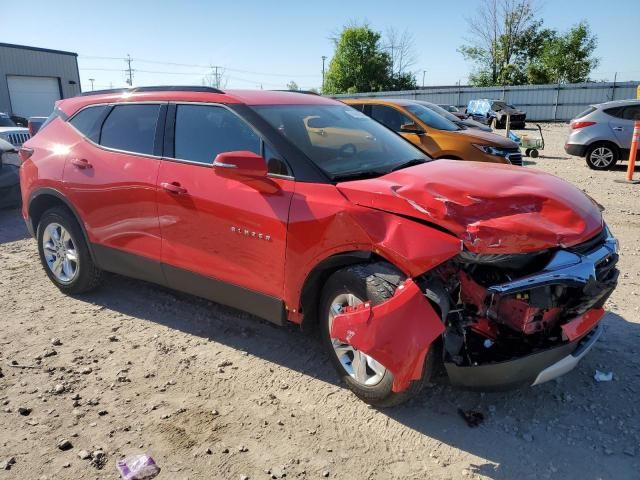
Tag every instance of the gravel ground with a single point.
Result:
(210, 392)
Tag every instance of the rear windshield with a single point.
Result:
(431, 118)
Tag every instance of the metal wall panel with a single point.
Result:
(541, 102)
(16, 60)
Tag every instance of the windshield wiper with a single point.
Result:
(410, 163)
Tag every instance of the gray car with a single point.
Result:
(466, 123)
(602, 133)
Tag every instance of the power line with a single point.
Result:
(157, 62)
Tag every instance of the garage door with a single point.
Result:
(33, 96)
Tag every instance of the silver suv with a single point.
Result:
(602, 133)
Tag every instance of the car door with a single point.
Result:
(394, 119)
(621, 122)
(222, 238)
(110, 177)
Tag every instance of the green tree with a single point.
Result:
(292, 86)
(566, 58)
(359, 63)
(495, 31)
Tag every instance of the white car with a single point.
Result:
(11, 133)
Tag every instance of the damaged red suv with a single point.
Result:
(297, 208)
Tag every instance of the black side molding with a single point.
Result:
(135, 266)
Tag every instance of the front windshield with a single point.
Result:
(441, 111)
(5, 121)
(342, 141)
(431, 118)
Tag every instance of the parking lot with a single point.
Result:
(210, 392)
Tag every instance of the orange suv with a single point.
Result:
(440, 138)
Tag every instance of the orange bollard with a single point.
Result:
(634, 150)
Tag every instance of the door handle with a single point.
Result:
(81, 163)
(173, 187)
(618, 129)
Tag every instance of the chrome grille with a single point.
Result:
(17, 139)
(515, 158)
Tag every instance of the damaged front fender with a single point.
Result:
(396, 333)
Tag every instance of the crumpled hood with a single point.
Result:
(492, 208)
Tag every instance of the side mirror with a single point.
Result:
(317, 122)
(412, 128)
(241, 165)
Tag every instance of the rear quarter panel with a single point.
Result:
(45, 167)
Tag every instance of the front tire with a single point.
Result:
(602, 156)
(64, 253)
(365, 377)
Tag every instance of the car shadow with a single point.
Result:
(12, 227)
(513, 420)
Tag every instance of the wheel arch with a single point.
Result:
(316, 278)
(42, 200)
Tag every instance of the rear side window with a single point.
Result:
(586, 112)
(389, 117)
(84, 121)
(614, 111)
(131, 128)
(202, 132)
(357, 106)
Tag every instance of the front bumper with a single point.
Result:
(530, 370)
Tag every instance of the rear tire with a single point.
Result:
(367, 282)
(534, 153)
(64, 253)
(602, 156)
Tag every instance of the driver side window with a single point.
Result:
(389, 117)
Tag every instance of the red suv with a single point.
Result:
(298, 208)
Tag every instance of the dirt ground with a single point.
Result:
(210, 392)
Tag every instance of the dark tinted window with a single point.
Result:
(389, 117)
(434, 116)
(5, 121)
(631, 113)
(84, 121)
(202, 132)
(131, 128)
(614, 112)
(357, 106)
(275, 163)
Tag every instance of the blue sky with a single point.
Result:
(270, 43)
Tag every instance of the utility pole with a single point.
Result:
(424, 72)
(92, 80)
(324, 57)
(129, 71)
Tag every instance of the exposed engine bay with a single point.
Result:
(498, 308)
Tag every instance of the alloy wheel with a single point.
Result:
(359, 366)
(60, 253)
(602, 157)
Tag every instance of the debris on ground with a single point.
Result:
(472, 417)
(7, 464)
(64, 445)
(138, 467)
(603, 376)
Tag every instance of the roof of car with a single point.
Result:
(614, 103)
(394, 101)
(193, 94)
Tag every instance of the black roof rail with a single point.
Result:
(168, 88)
(306, 92)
